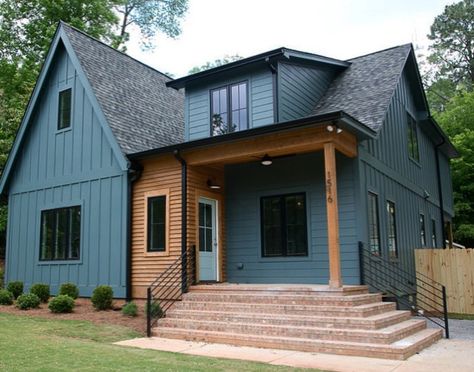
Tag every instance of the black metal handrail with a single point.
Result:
(169, 287)
(423, 295)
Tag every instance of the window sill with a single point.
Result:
(414, 161)
(60, 131)
(285, 259)
(60, 262)
(156, 254)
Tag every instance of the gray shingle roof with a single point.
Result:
(141, 111)
(364, 89)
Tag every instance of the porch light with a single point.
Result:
(212, 185)
(266, 160)
(331, 128)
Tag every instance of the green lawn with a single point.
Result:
(35, 344)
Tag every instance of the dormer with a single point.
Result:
(273, 87)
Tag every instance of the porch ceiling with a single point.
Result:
(295, 141)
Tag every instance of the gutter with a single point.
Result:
(134, 174)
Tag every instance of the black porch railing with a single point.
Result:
(169, 287)
(422, 295)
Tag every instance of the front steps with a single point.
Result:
(349, 321)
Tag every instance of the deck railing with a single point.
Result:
(421, 294)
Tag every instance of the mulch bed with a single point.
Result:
(84, 311)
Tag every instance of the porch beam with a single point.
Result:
(335, 278)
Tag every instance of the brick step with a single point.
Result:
(385, 335)
(289, 309)
(292, 289)
(401, 349)
(259, 298)
(373, 322)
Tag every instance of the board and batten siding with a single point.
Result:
(56, 169)
(300, 88)
(260, 101)
(247, 183)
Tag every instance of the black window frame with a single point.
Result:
(68, 233)
(149, 248)
(423, 240)
(284, 252)
(395, 235)
(434, 237)
(412, 136)
(378, 252)
(228, 89)
(60, 124)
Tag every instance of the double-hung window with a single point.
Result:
(413, 151)
(156, 223)
(60, 234)
(283, 225)
(229, 112)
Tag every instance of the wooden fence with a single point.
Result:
(454, 268)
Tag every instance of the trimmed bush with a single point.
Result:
(2, 277)
(61, 304)
(69, 289)
(41, 290)
(102, 297)
(6, 298)
(130, 309)
(155, 310)
(27, 301)
(15, 288)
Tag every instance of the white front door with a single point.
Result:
(208, 238)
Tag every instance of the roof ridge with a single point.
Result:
(62, 23)
(380, 51)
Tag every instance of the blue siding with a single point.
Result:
(197, 110)
(296, 174)
(300, 88)
(63, 168)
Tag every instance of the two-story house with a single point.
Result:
(275, 169)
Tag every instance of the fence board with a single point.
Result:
(454, 268)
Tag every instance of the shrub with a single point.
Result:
(130, 309)
(15, 288)
(41, 290)
(69, 289)
(2, 276)
(61, 304)
(27, 301)
(155, 310)
(102, 297)
(6, 298)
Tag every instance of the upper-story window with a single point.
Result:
(229, 109)
(412, 138)
(64, 109)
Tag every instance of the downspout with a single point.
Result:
(440, 190)
(274, 71)
(184, 218)
(134, 173)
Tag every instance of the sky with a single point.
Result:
(334, 28)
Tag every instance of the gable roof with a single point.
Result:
(140, 110)
(364, 90)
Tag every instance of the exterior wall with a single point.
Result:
(164, 173)
(247, 183)
(260, 98)
(63, 168)
(300, 88)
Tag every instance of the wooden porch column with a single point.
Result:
(335, 280)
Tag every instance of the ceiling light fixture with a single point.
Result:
(266, 160)
(212, 185)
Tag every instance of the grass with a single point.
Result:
(461, 316)
(36, 344)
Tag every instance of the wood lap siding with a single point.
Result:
(158, 174)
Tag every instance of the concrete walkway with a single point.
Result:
(444, 356)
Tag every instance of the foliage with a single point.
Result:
(149, 16)
(216, 63)
(130, 309)
(61, 304)
(452, 50)
(102, 297)
(155, 310)
(27, 301)
(15, 288)
(2, 276)
(69, 289)
(457, 120)
(41, 290)
(6, 298)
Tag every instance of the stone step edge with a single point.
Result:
(396, 350)
(288, 296)
(279, 288)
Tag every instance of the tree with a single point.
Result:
(149, 16)
(216, 63)
(452, 50)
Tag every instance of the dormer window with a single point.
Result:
(412, 139)
(229, 109)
